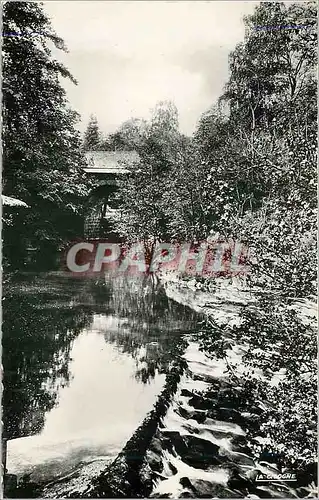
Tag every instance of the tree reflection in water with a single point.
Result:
(152, 327)
(39, 326)
(43, 315)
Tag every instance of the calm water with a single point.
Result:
(84, 360)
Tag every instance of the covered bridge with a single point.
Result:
(106, 167)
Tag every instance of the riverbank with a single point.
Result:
(225, 298)
(225, 399)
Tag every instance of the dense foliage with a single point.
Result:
(41, 154)
(249, 173)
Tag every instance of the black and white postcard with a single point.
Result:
(159, 249)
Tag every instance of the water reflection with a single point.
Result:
(150, 325)
(36, 346)
(77, 355)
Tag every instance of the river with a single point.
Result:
(84, 360)
(107, 394)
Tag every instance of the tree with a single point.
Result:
(92, 135)
(132, 133)
(265, 148)
(164, 125)
(128, 137)
(273, 72)
(261, 175)
(186, 197)
(272, 98)
(42, 158)
(143, 206)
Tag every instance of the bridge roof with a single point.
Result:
(109, 162)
